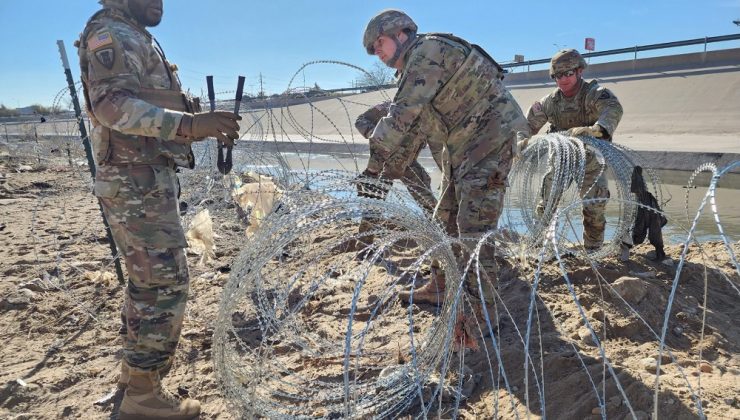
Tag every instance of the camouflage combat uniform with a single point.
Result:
(592, 104)
(135, 102)
(451, 95)
(415, 177)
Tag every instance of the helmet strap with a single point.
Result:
(400, 47)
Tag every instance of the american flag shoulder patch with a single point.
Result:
(99, 40)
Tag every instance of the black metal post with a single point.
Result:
(88, 152)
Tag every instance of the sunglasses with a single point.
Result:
(568, 73)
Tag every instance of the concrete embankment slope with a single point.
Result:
(669, 102)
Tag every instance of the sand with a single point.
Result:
(59, 306)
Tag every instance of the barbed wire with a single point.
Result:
(280, 281)
(308, 327)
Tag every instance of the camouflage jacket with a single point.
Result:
(366, 123)
(132, 93)
(451, 95)
(592, 104)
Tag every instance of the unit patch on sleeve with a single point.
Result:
(106, 57)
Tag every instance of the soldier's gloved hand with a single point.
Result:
(219, 124)
(372, 190)
(593, 131)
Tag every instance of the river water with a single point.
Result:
(674, 194)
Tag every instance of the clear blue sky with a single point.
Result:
(227, 38)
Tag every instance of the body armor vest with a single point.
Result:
(472, 89)
(567, 113)
(478, 77)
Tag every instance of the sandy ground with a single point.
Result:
(59, 303)
(60, 351)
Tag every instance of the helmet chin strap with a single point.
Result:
(400, 48)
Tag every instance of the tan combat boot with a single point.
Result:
(145, 398)
(123, 378)
(432, 292)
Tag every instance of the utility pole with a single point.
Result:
(262, 91)
(88, 152)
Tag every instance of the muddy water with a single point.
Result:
(674, 195)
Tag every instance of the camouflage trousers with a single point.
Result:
(140, 204)
(594, 185)
(471, 204)
(419, 184)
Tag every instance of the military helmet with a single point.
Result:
(388, 22)
(115, 4)
(565, 60)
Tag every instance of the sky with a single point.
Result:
(274, 38)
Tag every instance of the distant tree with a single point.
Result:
(7, 112)
(40, 109)
(52, 110)
(379, 74)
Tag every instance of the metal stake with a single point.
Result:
(88, 153)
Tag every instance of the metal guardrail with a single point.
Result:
(638, 48)
(361, 88)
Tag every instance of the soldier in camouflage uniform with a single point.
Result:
(415, 177)
(143, 126)
(450, 94)
(583, 109)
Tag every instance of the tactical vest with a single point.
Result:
(480, 76)
(568, 113)
(472, 88)
(114, 148)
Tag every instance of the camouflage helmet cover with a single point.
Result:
(388, 22)
(565, 60)
(114, 4)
